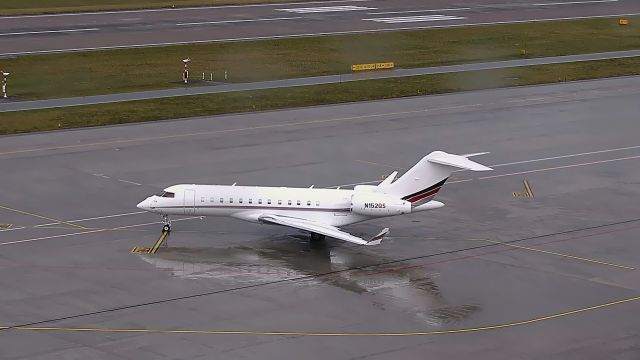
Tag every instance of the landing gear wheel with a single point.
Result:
(167, 223)
(315, 237)
(166, 228)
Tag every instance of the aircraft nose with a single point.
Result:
(144, 205)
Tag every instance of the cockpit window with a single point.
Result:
(167, 194)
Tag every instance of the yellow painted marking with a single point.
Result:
(558, 254)
(140, 250)
(159, 242)
(379, 164)
(527, 191)
(335, 334)
(527, 188)
(41, 217)
(6, 226)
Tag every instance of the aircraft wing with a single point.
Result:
(323, 229)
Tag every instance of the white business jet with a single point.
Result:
(318, 211)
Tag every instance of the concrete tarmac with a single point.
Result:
(490, 276)
(21, 35)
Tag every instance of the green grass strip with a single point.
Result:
(127, 70)
(247, 101)
(23, 7)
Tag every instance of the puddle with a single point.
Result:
(410, 289)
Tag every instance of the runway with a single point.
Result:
(492, 275)
(20, 35)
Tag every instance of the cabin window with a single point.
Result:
(250, 201)
(298, 202)
(269, 201)
(230, 200)
(167, 194)
(289, 202)
(279, 202)
(221, 200)
(212, 200)
(259, 201)
(317, 203)
(308, 202)
(240, 200)
(202, 199)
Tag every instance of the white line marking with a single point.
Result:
(237, 21)
(91, 231)
(324, 9)
(48, 31)
(559, 167)
(418, 11)
(531, 161)
(178, 9)
(306, 35)
(130, 182)
(406, 19)
(76, 221)
(574, 2)
(568, 156)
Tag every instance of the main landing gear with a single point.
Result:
(315, 237)
(166, 227)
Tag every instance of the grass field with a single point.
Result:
(15, 7)
(101, 72)
(189, 106)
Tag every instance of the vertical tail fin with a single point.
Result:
(423, 181)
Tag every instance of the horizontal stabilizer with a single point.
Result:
(456, 161)
(376, 240)
(428, 206)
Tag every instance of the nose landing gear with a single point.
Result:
(166, 227)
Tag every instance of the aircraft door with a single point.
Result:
(189, 202)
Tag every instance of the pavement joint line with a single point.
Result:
(311, 276)
(40, 216)
(330, 334)
(248, 128)
(599, 262)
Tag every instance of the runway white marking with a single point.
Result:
(79, 220)
(569, 156)
(293, 36)
(574, 2)
(237, 21)
(179, 9)
(325, 9)
(531, 161)
(91, 231)
(407, 19)
(48, 32)
(130, 182)
(418, 11)
(560, 167)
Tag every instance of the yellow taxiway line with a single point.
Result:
(42, 217)
(334, 334)
(599, 262)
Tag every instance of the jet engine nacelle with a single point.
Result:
(376, 204)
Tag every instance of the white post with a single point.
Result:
(211, 76)
(5, 75)
(225, 75)
(185, 74)
(202, 76)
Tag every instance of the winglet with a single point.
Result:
(376, 240)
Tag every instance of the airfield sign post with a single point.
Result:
(5, 76)
(185, 74)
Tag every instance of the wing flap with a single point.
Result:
(326, 230)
